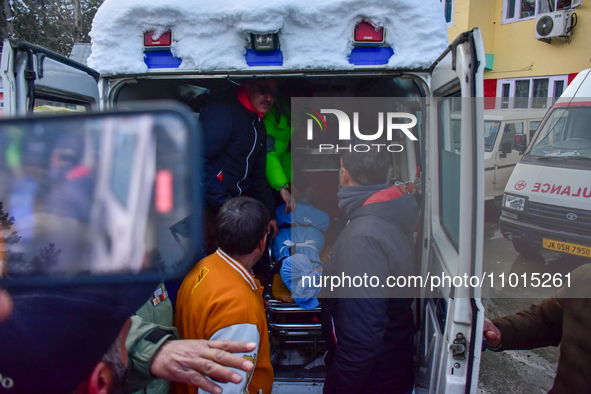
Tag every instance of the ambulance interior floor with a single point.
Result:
(299, 362)
(301, 370)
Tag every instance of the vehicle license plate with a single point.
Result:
(566, 247)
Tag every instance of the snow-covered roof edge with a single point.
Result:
(314, 35)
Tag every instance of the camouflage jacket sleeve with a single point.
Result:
(151, 326)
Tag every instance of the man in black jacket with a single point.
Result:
(235, 145)
(369, 329)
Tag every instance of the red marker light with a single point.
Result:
(163, 41)
(314, 319)
(365, 32)
(163, 191)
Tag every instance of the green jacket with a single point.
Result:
(278, 124)
(151, 326)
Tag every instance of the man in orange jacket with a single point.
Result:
(221, 299)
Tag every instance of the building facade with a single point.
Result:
(534, 48)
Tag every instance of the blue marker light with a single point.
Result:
(272, 58)
(370, 56)
(161, 59)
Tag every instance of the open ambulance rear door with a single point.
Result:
(452, 315)
(35, 77)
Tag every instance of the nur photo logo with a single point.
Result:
(388, 122)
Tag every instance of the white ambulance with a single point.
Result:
(500, 158)
(547, 201)
(154, 51)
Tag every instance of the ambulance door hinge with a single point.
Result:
(458, 348)
(30, 75)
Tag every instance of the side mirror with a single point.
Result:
(505, 148)
(520, 142)
(92, 197)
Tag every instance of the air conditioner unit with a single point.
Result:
(554, 25)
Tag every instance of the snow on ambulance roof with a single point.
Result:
(212, 35)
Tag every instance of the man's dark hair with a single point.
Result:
(367, 168)
(241, 223)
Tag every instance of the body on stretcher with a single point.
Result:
(297, 249)
(293, 311)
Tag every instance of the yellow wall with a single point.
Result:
(469, 14)
(460, 19)
(482, 15)
(517, 52)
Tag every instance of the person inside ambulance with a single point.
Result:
(221, 299)
(297, 246)
(278, 125)
(235, 144)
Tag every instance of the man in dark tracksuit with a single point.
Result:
(369, 329)
(235, 145)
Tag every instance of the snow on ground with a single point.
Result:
(212, 35)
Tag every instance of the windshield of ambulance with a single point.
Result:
(490, 134)
(565, 135)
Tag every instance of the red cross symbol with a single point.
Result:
(520, 185)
